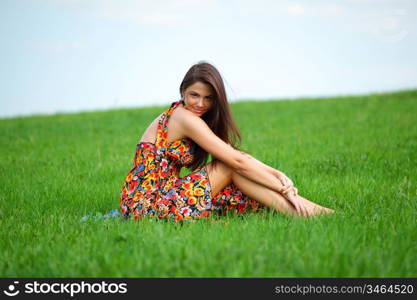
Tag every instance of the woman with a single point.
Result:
(184, 135)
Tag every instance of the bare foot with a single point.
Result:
(315, 209)
(329, 210)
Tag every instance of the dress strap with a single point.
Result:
(162, 133)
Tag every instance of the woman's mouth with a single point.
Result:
(198, 111)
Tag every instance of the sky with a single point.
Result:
(83, 55)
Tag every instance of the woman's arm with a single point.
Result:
(196, 129)
(262, 165)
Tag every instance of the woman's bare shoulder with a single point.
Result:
(180, 122)
(179, 111)
(181, 114)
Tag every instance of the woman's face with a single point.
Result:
(198, 98)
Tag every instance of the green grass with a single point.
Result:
(357, 155)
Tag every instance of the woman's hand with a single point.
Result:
(287, 183)
(291, 196)
(290, 192)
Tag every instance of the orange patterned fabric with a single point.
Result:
(154, 187)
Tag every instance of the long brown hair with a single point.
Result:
(219, 117)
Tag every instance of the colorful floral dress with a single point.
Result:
(154, 187)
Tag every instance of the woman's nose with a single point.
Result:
(200, 102)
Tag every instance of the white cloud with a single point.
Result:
(141, 11)
(317, 9)
(390, 25)
(181, 11)
(387, 20)
(383, 23)
(296, 9)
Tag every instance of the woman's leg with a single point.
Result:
(222, 175)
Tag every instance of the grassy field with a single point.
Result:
(357, 155)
